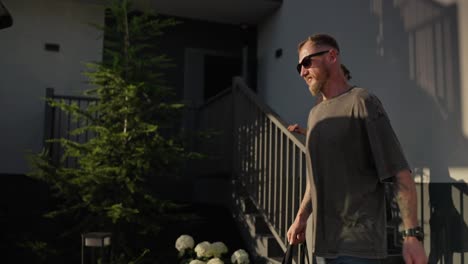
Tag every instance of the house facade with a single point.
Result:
(413, 54)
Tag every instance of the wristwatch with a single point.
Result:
(416, 232)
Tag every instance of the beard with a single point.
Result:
(321, 80)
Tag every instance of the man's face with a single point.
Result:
(316, 74)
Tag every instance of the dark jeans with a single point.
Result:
(352, 260)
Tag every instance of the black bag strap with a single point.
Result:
(288, 255)
(305, 252)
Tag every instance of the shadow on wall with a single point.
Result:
(426, 89)
(449, 232)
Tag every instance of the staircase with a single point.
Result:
(265, 163)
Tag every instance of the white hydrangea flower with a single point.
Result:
(184, 242)
(196, 261)
(240, 257)
(215, 261)
(218, 249)
(203, 249)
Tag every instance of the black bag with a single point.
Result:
(288, 255)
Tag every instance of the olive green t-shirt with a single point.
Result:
(351, 150)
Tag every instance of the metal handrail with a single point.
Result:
(58, 124)
(272, 115)
(269, 162)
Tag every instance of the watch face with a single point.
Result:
(414, 232)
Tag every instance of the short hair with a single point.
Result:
(320, 40)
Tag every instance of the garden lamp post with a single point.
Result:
(96, 241)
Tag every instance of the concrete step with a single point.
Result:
(256, 230)
(265, 242)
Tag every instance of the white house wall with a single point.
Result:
(408, 52)
(27, 69)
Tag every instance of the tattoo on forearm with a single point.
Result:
(406, 198)
(307, 206)
(306, 203)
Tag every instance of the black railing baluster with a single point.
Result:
(59, 124)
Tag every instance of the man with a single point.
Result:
(351, 151)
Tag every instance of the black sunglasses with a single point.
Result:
(307, 60)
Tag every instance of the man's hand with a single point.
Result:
(297, 129)
(296, 233)
(413, 251)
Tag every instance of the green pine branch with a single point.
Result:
(108, 188)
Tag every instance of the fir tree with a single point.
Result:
(108, 190)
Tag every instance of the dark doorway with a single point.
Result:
(219, 71)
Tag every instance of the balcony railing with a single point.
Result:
(58, 124)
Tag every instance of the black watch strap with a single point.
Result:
(416, 232)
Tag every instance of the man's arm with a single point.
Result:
(405, 192)
(296, 233)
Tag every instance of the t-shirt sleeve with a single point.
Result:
(386, 149)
